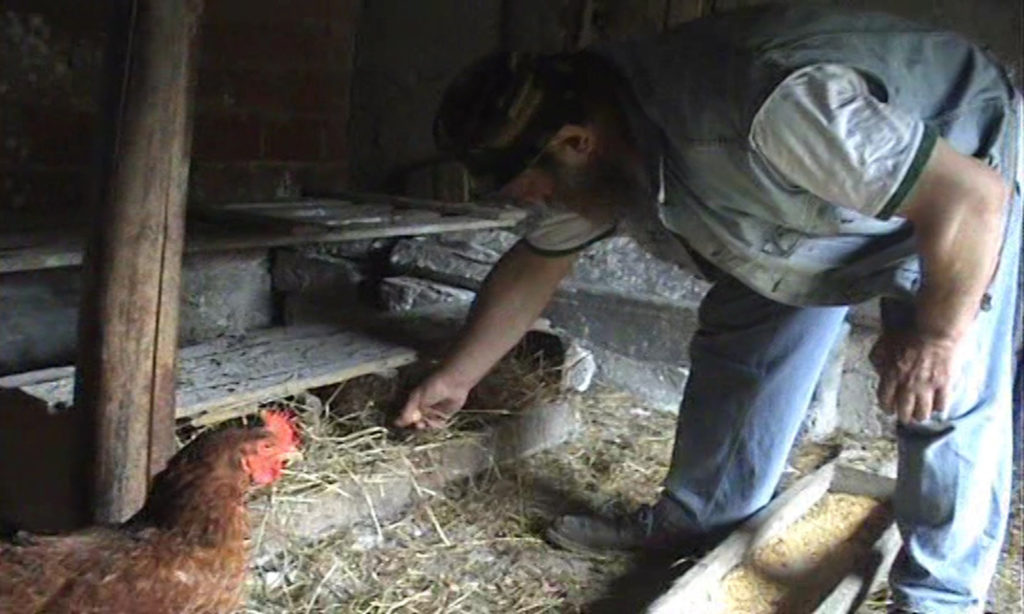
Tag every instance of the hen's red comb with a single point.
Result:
(281, 424)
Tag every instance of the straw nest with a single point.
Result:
(474, 546)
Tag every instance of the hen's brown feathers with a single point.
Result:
(183, 552)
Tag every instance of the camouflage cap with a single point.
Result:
(498, 114)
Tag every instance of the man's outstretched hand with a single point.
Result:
(432, 404)
(915, 374)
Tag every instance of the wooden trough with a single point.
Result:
(700, 588)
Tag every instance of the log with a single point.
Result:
(132, 265)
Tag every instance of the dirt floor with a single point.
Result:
(476, 547)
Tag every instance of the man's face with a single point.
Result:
(600, 186)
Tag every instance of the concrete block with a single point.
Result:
(225, 293)
(360, 250)
(295, 271)
(658, 385)
(640, 330)
(619, 265)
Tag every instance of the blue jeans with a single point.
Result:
(755, 364)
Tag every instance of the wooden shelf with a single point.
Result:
(236, 230)
(247, 369)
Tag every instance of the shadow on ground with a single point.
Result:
(649, 576)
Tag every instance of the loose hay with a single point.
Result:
(795, 570)
(475, 547)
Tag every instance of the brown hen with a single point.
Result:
(183, 553)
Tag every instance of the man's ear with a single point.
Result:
(574, 144)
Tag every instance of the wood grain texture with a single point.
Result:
(128, 325)
(260, 366)
(694, 591)
(52, 251)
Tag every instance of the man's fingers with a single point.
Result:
(408, 417)
(923, 405)
(903, 404)
(410, 414)
(941, 400)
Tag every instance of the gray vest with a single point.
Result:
(701, 86)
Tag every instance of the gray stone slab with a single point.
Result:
(406, 293)
(656, 385)
(294, 271)
(637, 329)
(614, 266)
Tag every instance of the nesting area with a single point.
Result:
(475, 545)
(793, 571)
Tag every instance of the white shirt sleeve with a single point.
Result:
(564, 233)
(824, 132)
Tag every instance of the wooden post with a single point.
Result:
(132, 268)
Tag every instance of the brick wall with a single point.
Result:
(272, 102)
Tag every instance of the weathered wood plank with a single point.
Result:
(55, 252)
(853, 589)
(695, 590)
(128, 324)
(41, 376)
(260, 366)
(213, 240)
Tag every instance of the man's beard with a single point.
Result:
(604, 190)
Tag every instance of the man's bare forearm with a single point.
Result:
(959, 264)
(959, 233)
(509, 302)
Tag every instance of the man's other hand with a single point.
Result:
(915, 374)
(432, 404)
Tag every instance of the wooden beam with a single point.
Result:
(51, 252)
(128, 323)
